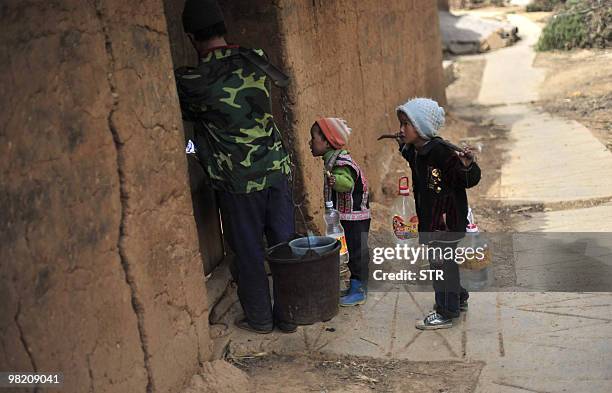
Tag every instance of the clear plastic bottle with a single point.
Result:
(405, 220)
(475, 270)
(333, 228)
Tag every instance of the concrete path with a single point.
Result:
(530, 342)
(593, 219)
(550, 159)
(509, 77)
(540, 342)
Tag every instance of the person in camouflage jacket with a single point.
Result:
(227, 98)
(238, 142)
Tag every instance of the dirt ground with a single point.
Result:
(354, 374)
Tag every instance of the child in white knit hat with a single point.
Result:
(346, 187)
(440, 177)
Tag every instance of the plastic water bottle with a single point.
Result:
(475, 270)
(406, 222)
(333, 228)
(405, 219)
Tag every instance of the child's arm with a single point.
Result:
(342, 179)
(469, 176)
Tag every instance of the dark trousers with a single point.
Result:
(246, 218)
(449, 291)
(356, 233)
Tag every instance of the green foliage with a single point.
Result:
(578, 24)
(563, 32)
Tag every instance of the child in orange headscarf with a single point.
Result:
(347, 188)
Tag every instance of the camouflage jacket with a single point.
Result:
(237, 141)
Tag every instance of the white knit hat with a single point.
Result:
(426, 116)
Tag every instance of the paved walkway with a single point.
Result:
(509, 76)
(529, 341)
(550, 159)
(592, 219)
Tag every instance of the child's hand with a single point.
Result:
(331, 180)
(466, 156)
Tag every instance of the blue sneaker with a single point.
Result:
(351, 288)
(357, 295)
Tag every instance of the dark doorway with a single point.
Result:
(205, 206)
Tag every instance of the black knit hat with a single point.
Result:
(201, 14)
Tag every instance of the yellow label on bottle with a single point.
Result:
(343, 247)
(405, 229)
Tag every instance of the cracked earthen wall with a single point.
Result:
(100, 276)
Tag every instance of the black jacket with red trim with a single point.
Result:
(439, 181)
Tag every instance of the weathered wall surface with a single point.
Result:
(100, 276)
(357, 60)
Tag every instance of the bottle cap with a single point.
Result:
(403, 189)
(472, 228)
(329, 204)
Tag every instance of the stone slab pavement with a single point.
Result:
(590, 219)
(549, 160)
(534, 342)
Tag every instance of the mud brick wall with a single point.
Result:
(100, 276)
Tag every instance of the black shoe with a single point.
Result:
(244, 324)
(434, 321)
(286, 327)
